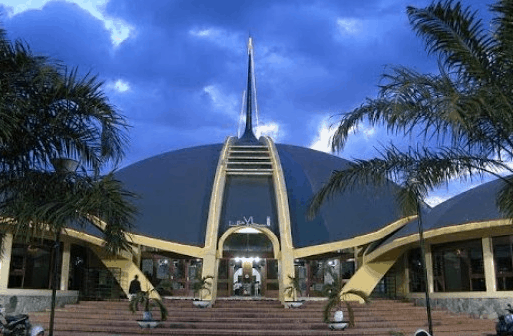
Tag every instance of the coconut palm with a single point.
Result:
(47, 113)
(147, 302)
(41, 202)
(336, 296)
(467, 108)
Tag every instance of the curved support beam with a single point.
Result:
(188, 250)
(216, 198)
(369, 274)
(282, 203)
(164, 245)
(352, 242)
(214, 215)
(131, 269)
(450, 233)
(272, 237)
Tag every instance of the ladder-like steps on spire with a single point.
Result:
(249, 160)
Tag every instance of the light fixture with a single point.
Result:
(248, 230)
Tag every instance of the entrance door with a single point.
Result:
(247, 277)
(243, 269)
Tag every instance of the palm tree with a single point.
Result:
(467, 108)
(147, 302)
(47, 113)
(336, 296)
(40, 202)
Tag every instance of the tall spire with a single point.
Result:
(248, 136)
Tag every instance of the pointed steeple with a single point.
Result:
(248, 136)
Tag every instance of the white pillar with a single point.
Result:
(65, 265)
(5, 261)
(489, 265)
(429, 267)
(406, 274)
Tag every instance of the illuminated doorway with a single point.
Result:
(248, 267)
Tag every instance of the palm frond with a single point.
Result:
(294, 288)
(455, 33)
(505, 197)
(39, 202)
(143, 298)
(336, 296)
(417, 171)
(503, 24)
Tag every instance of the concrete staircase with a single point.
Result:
(257, 318)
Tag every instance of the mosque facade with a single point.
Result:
(237, 212)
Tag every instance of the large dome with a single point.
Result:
(175, 190)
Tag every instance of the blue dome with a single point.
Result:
(474, 205)
(175, 190)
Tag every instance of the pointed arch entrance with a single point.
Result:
(248, 262)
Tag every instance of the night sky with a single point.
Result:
(177, 69)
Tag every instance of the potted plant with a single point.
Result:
(292, 290)
(147, 303)
(336, 296)
(200, 285)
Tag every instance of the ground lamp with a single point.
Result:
(61, 166)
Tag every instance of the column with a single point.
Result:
(65, 265)
(489, 265)
(210, 267)
(285, 268)
(5, 261)
(406, 274)
(429, 267)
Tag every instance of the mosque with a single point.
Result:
(236, 211)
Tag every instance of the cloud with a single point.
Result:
(221, 38)
(433, 201)
(118, 28)
(119, 86)
(271, 129)
(349, 26)
(222, 102)
(359, 137)
(322, 141)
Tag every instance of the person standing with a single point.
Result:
(135, 287)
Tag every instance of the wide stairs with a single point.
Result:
(257, 318)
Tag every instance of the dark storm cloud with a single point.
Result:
(185, 62)
(65, 32)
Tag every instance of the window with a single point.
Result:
(416, 271)
(502, 256)
(272, 269)
(31, 265)
(78, 265)
(458, 267)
